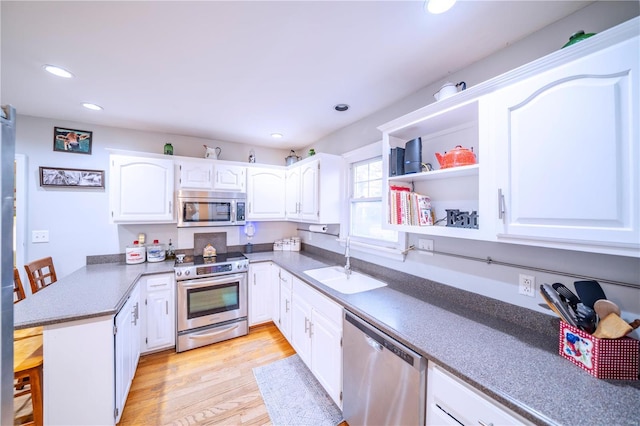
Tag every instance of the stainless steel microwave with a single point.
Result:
(206, 208)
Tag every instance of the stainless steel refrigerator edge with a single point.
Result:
(7, 154)
(384, 382)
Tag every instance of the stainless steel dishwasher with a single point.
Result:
(383, 380)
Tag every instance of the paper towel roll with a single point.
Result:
(318, 228)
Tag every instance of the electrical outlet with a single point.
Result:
(39, 236)
(426, 246)
(527, 285)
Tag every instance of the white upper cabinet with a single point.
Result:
(567, 146)
(292, 193)
(557, 144)
(141, 189)
(266, 193)
(229, 177)
(210, 175)
(314, 189)
(442, 129)
(194, 174)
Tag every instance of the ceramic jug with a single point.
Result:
(449, 89)
(212, 153)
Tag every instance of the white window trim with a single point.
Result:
(378, 247)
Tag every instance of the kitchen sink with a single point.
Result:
(336, 278)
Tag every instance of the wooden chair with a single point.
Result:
(27, 373)
(41, 273)
(18, 289)
(18, 295)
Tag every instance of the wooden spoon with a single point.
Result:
(604, 307)
(612, 327)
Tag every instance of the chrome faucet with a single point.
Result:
(347, 267)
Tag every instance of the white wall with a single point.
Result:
(77, 219)
(499, 282)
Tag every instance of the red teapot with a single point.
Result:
(458, 156)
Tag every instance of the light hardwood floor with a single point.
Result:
(212, 385)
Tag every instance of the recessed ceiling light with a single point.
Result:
(341, 107)
(438, 6)
(276, 135)
(60, 72)
(91, 106)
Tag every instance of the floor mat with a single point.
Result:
(293, 396)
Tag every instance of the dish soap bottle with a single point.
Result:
(171, 254)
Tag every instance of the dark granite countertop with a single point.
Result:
(498, 354)
(516, 366)
(91, 291)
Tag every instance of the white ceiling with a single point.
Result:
(238, 71)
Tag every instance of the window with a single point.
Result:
(366, 202)
(366, 196)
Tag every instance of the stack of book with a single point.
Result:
(409, 208)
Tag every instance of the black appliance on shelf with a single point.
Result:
(413, 156)
(396, 162)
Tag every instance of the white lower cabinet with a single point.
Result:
(158, 322)
(316, 335)
(284, 321)
(127, 349)
(260, 293)
(452, 402)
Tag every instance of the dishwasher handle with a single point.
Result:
(375, 345)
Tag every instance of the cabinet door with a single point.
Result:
(284, 324)
(229, 177)
(159, 321)
(570, 153)
(309, 191)
(266, 194)
(141, 189)
(275, 294)
(292, 192)
(259, 293)
(449, 398)
(326, 354)
(195, 175)
(127, 348)
(300, 328)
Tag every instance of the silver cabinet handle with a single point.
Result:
(501, 210)
(167, 307)
(481, 423)
(287, 305)
(306, 324)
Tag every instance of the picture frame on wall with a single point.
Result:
(71, 178)
(72, 140)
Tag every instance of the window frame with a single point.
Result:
(379, 247)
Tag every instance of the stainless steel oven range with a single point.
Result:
(212, 299)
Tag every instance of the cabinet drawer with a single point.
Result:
(451, 399)
(320, 302)
(159, 283)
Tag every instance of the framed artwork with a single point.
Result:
(71, 140)
(71, 178)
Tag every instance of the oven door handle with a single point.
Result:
(195, 283)
(205, 334)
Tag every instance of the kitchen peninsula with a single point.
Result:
(516, 366)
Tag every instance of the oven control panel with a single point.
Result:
(200, 271)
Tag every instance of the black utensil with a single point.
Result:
(566, 294)
(586, 318)
(589, 292)
(561, 308)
